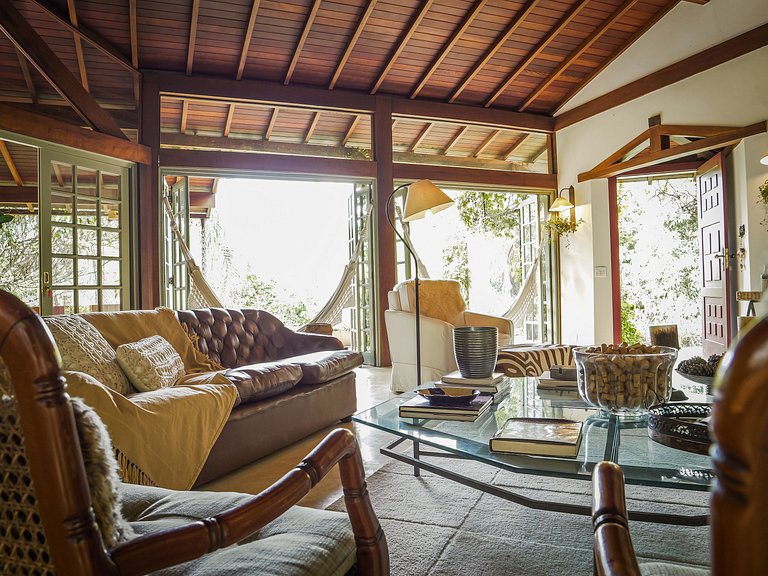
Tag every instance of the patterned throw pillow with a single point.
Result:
(84, 349)
(150, 363)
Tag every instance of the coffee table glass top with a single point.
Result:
(643, 460)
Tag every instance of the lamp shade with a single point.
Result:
(423, 197)
(764, 160)
(560, 205)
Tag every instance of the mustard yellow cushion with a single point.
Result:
(439, 299)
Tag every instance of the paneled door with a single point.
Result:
(84, 240)
(363, 323)
(715, 256)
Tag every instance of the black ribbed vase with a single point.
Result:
(476, 348)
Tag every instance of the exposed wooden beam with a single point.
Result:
(228, 122)
(722, 140)
(351, 129)
(401, 43)
(384, 247)
(57, 173)
(458, 161)
(192, 35)
(487, 142)
(184, 115)
(604, 64)
(272, 122)
(93, 38)
(312, 125)
(18, 194)
(148, 237)
(302, 40)
(448, 46)
(78, 46)
(133, 25)
(280, 163)
(10, 163)
(247, 39)
(525, 180)
(27, 76)
(423, 134)
(513, 25)
(514, 146)
(352, 42)
(202, 200)
(699, 2)
(35, 49)
(537, 154)
(455, 139)
(552, 156)
(576, 54)
(218, 143)
(21, 121)
(709, 58)
(533, 54)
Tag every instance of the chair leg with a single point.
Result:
(346, 419)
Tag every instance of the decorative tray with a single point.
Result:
(708, 380)
(448, 396)
(683, 426)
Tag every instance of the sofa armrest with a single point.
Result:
(504, 325)
(306, 343)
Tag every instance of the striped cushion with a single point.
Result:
(533, 360)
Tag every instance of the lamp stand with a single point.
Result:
(416, 278)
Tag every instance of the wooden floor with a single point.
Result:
(372, 389)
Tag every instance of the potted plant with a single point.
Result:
(562, 226)
(763, 190)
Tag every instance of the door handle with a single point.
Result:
(726, 257)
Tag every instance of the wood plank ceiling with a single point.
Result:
(519, 55)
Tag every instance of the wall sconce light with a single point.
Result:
(764, 160)
(562, 204)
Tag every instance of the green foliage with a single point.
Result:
(763, 189)
(20, 255)
(456, 266)
(262, 295)
(490, 212)
(560, 225)
(629, 332)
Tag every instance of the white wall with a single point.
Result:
(732, 94)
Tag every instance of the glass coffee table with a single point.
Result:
(644, 461)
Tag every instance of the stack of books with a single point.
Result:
(563, 379)
(488, 385)
(538, 436)
(420, 407)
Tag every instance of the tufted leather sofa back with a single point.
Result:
(239, 337)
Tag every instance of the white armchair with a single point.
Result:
(442, 308)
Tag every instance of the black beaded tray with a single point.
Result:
(680, 426)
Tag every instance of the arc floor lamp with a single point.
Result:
(422, 197)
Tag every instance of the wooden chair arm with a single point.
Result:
(174, 546)
(614, 554)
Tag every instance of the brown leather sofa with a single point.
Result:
(290, 384)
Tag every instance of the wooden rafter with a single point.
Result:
(312, 126)
(351, 129)
(576, 54)
(184, 115)
(192, 35)
(37, 51)
(448, 46)
(423, 134)
(487, 142)
(247, 39)
(533, 54)
(271, 125)
(58, 174)
(455, 139)
(228, 121)
(78, 45)
(302, 40)
(514, 146)
(615, 164)
(513, 25)
(186, 142)
(604, 64)
(352, 42)
(537, 153)
(401, 43)
(10, 163)
(704, 60)
(133, 25)
(27, 76)
(93, 38)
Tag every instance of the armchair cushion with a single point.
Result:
(664, 569)
(439, 299)
(259, 381)
(302, 541)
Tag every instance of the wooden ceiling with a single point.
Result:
(518, 55)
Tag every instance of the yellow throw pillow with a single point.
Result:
(150, 363)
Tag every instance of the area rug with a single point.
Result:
(437, 527)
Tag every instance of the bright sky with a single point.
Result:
(292, 232)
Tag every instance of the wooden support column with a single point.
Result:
(149, 204)
(385, 248)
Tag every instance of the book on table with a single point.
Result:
(489, 384)
(420, 407)
(539, 437)
(547, 381)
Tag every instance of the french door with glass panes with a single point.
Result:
(84, 240)
(362, 318)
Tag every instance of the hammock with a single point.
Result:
(201, 295)
(527, 294)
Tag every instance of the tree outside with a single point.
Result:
(659, 255)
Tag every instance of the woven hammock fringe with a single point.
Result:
(516, 311)
(130, 473)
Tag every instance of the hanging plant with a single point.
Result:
(763, 190)
(561, 226)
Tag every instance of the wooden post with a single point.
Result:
(148, 212)
(385, 247)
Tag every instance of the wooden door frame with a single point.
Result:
(613, 216)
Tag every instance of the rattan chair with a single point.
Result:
(48, 524)
(739, 504)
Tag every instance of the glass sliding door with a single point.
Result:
(175, 274)
(363, 333)
(84, 244)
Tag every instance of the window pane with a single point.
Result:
(63, 271)
(110, 273)
(87, 242)
(61, 177)
(86, 181)
(86, 212)
(63, 302)
(110, 186)
(110, 214)
(110, 300)
(110, 243)
(61, 207)
(88, 301)
(86, 272)
(62, 240)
